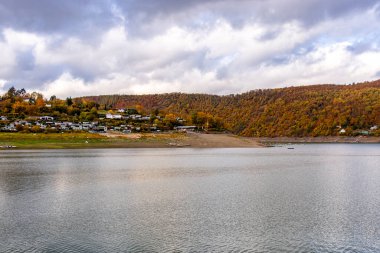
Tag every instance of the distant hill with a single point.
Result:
(316, 110)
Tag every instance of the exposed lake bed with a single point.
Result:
(314, 198)
(82, 140)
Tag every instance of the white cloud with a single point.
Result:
(2, 84)
(217, 58)
(328, 64)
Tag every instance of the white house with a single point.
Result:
(145, 118)
(135, 116)
(113, 116)
(185, 128)
(47, 118)
(342, 131)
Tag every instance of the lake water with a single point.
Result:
(313, 198)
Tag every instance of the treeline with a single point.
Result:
(317, 110)
(18, 104)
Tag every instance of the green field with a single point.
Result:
(81, 140)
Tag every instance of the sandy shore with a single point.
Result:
(321, 139)
(120, 140)
(201, 140)
(191, 139)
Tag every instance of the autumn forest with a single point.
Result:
(317, 110)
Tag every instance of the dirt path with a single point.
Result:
(200, 140)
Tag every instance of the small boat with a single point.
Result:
(290, 148)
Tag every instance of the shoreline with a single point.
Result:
(320, 139)
(19, 141)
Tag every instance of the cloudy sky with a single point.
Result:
(83, 47)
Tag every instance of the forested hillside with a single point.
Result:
(317, 110)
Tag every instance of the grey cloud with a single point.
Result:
(32, 80)
(312, 11)
(377, 9)
(240, 12)
(193, 59)
(269, 35)
(371, 43)
(274, 9)
(222, 73)
(279, 60)
(86, 18)
(289, 55)
(79, 17)
(87, 74)
(26, 60)
(158, 7)
(359, 47)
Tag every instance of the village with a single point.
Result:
(124, 121)
(114, 120)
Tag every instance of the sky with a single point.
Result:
(92, 47)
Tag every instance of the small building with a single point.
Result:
(185, 128)
(135, 116)
(145, 118)
(180, 120)
(113, 116)
(50, 123)
(100, 129)
(22, 122)
(342, 131)
(46, 118)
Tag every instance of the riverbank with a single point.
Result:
(157, 140)
(319, 139)
(119, 140)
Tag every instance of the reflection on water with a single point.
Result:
(315, 198)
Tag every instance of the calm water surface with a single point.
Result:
(314, 198)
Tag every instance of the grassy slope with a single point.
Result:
(81, 140)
